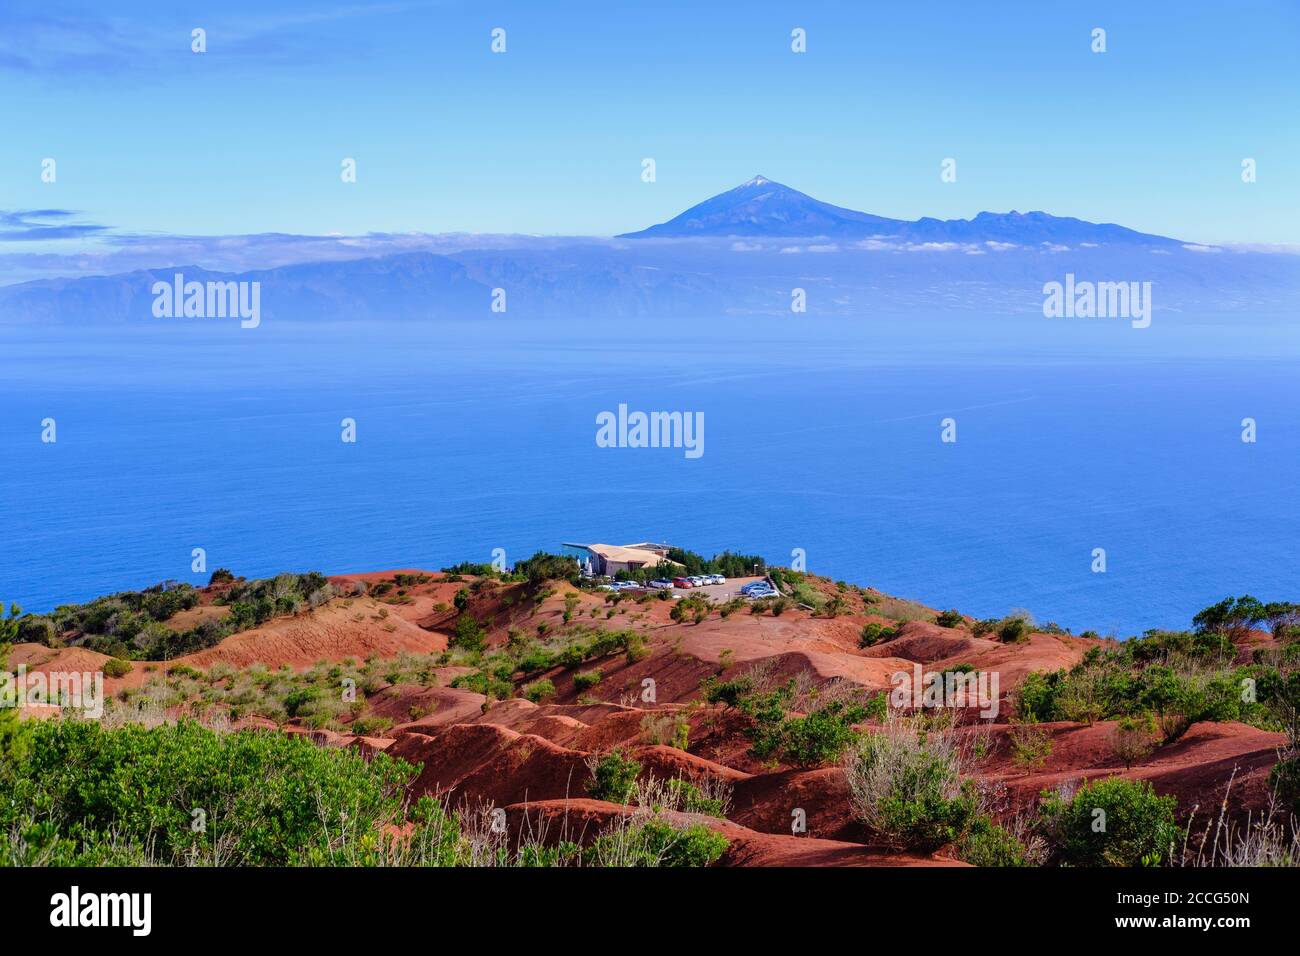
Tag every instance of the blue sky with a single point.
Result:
(548, 138)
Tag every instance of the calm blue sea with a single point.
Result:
(824, 437)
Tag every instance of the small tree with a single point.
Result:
(1283, 619)
(469, 634)
(1232, 617)
(9, 624)
(1031, 745)
(1134, 739)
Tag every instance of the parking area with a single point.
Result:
(714, 592)
(720, 592)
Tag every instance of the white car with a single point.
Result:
(661, 585)
(717, 579)
(698, 580)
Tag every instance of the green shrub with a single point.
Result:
(540, 690)
(1231, 617)
(1134, 739)
(690, 799)
(586, 681)
(82, 795)
(1113, 822)
(469, 634)
(370, 726)
(536, 659)
(1014, 629)
(822, 736)
(116, 667)
(1279, 692)
(657, 843)
(12, 732)
(297, 700)
(874, 633)
(636, 649)
(1284, 779)
(1036, 700)
(728, 693)
(693, 607)
(988, 844)
(613, 778)
(906, 784)
(485, 683)
(949, 619)
(572, 656)
(548, 567)
(1031, 745)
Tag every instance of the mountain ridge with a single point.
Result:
(762, 207)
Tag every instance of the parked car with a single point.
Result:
(661, 584)
(683, 582)
(698, 580)
(717, 579)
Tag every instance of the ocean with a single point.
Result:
(818, 436)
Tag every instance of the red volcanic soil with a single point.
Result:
(1196, 768)
(335, 632)
(580, 820)
(534, 760)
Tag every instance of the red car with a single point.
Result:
(682, 583)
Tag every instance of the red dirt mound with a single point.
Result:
(340, 630)
(582, 820)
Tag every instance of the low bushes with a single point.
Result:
(83, 795)
(77, 794)
(1114, 822)
(1031, 745)
(1175, 679)
(539, 690)
(873, 633)
(613, 777)
(654, 842)
(907, 785)
(469, 634)
(986, 843)
(115, 667)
